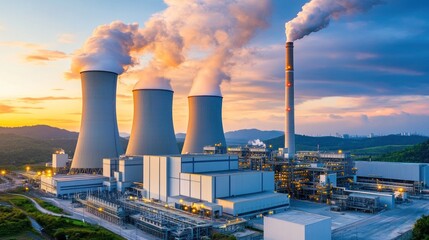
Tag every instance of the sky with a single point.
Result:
(365, 73)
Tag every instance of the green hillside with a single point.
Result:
(305, 143)
(418, 153)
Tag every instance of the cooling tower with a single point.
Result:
(204, 124)
(289, 102)
(152, 132)
(98, 136)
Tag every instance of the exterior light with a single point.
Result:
(27, 168)
(3, 172)
(100, 209)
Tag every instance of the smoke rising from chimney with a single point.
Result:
(317, 14)
(208, 31)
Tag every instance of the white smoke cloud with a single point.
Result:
(217, 28)
(110, 48)
(256, 142)
(317, 14)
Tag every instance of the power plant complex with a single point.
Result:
(211, 187)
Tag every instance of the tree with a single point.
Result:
(421, 229)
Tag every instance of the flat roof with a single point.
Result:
(299, 217)
(77, 177)
(253, 196)
(229, 172)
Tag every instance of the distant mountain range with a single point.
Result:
(44, 132)
(242, 136)
(32, 144)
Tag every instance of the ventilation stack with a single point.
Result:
(205, 124)
(289, 103)
(152, 131)
(99, 135)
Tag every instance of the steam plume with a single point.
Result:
(316, 15)
(110, 48)
(256, 142)
(215, 29)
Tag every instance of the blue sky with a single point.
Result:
(366, 73)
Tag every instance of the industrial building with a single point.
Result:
(392, 176)
(98, 135)
(214, 179)
(123, 172)
(297, 225)
(68, 185)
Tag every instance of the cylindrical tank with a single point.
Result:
(152, 131)
(99, 135)
(204, 124)
(289, 102)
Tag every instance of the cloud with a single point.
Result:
(58, 89)
(6, 109)
(21, 44)
(66, 38)
(335, 116)
(48, 98)
(42, 55)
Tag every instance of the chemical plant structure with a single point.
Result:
(211, 187)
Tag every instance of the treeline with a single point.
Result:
(307, 143)
(418, 153)
(18, 150)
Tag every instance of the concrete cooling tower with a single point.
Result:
(204, 124)
(98, 136)
(152, 131)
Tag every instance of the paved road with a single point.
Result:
(385, 225)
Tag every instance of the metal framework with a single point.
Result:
(74, 171)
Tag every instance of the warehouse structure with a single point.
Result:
(68, 185)
(393, 176)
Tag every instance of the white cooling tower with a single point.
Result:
(98, 136)
(204, 124)
(152, 131)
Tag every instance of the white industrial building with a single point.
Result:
(212, 179)
(67, 185)
(122, 172)
(297, 225)
(59, 159)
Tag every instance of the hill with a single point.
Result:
(304, 143)
(242, 136)
(43, 132)
(418, 153)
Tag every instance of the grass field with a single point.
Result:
(58, 227)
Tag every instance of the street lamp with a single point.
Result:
(3, 172)
(27, 168)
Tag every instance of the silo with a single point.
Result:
(205, 123)
(152, 131)
(99, 135)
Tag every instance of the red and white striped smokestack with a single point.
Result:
(289, 102)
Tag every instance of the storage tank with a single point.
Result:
(99, 135)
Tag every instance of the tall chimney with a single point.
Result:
(204, 124)
(99, 135)
(152, 132)
(289, 102)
